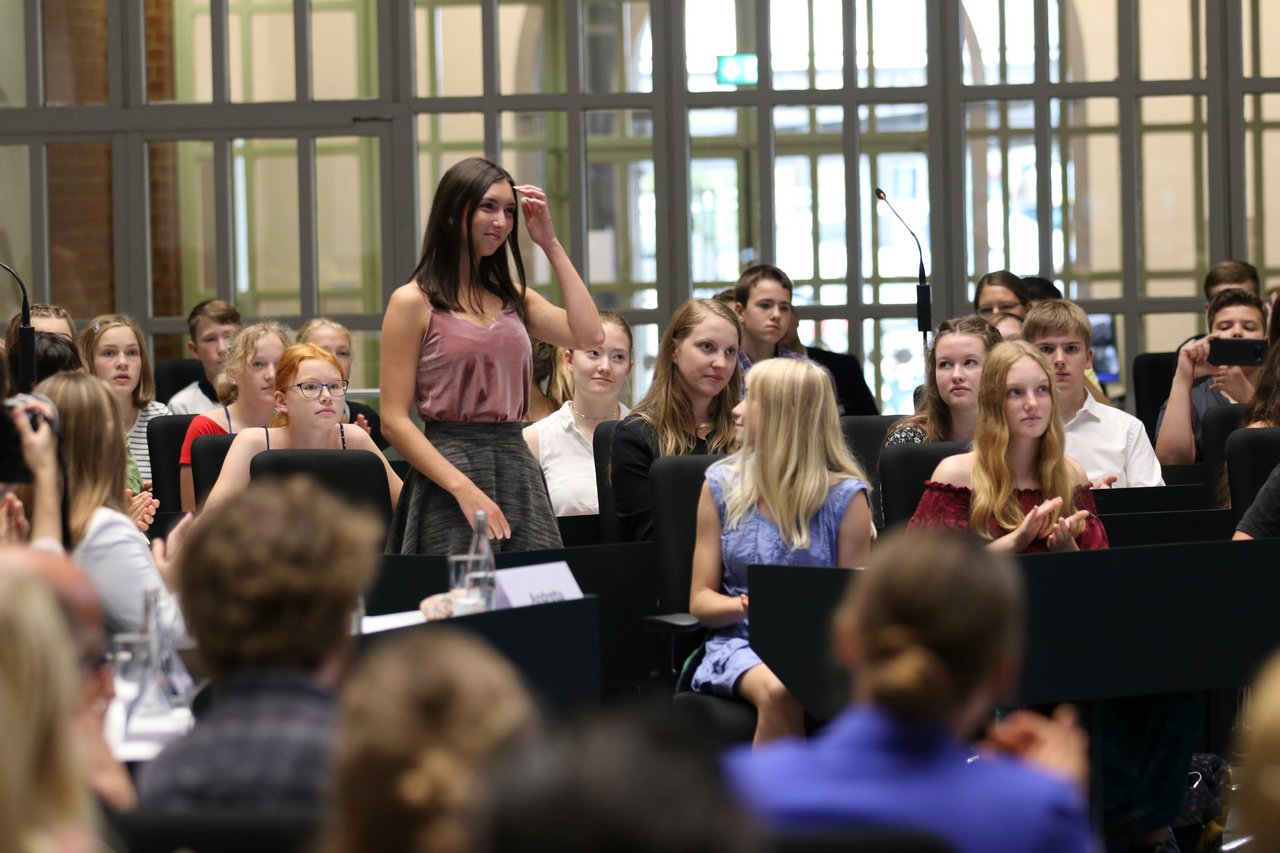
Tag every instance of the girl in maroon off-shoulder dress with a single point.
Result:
(1017, 487)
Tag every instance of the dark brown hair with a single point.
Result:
(448, 239)
(1239, 273)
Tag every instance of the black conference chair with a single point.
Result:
(1219, 422)
(904, 468)
(864, 434)
(174, 374)
(1152, 379)
(676, 483)
(1251, 456)
(602, 450)
(1190, 474)
(207, 455)
(165, 435)
(216, 831)
(357, 476)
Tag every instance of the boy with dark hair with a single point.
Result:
(1226, 274)
(211, 325)
(762, 300)
(1111, 444)
(1198, 385)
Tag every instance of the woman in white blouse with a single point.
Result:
(562, 442)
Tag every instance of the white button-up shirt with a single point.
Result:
(1106, 441)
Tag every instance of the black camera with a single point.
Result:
(13, 468)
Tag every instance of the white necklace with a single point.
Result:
(617, 410)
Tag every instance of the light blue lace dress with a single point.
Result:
(757, 541)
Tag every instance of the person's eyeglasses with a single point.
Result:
(311, 390)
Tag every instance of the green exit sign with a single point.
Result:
(740, 69)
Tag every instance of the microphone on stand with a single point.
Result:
(924, 310)
(26, 340)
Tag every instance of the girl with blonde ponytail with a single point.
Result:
(794, 495)
(1017, 488)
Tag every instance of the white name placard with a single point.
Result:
(540, 584)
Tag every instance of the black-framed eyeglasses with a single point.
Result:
(311, 390)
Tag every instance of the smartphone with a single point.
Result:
(1240, 352)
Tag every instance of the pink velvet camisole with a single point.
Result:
(471, 374)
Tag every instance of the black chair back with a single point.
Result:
(1251, 456)
(904, 468)
(676, 486)
(215, 831)
(1190, 474)
(1219, 422)
(1154, 499)
(602, 450)
(864, 435)
(1152, 379)
(165, 435)
(208, 452)
(358, 476)
(174, 374)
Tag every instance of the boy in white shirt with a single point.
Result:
(211, 324)
(1111, 444)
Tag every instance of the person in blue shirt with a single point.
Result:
(930, 631)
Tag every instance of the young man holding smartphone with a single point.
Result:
(1199, 385)
(1111, 444)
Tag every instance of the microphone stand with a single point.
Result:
(924, 302)
(26, 340)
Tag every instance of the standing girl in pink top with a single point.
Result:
(455, 346)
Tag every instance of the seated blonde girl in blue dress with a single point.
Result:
(794, 495)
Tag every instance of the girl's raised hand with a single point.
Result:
(537, 215)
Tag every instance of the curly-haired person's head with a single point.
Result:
(271, 579)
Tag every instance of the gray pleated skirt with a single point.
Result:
(495, 458)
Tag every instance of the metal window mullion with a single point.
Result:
(132, 226)
(39, 288)
(399, 162)
(309, 290)
(224, 216)
(302, 50)
(1133, 261)
(851, 148)
(946, 160)
(490, 48)
(575, 120)
(117, 90)
(1226, 131)
(219, 38)
(1041, 105)
(35, 54)
(133, 75)
(672, 155)
(765, 222)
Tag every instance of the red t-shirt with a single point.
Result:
(200, 425)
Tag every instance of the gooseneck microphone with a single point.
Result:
(924, 310)
(26, 340)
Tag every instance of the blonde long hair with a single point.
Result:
(93, 439)
(797, 451)
(666, 407)
(42, 786)
(994, 497)
(145, 391)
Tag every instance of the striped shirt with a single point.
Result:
(137, 437)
